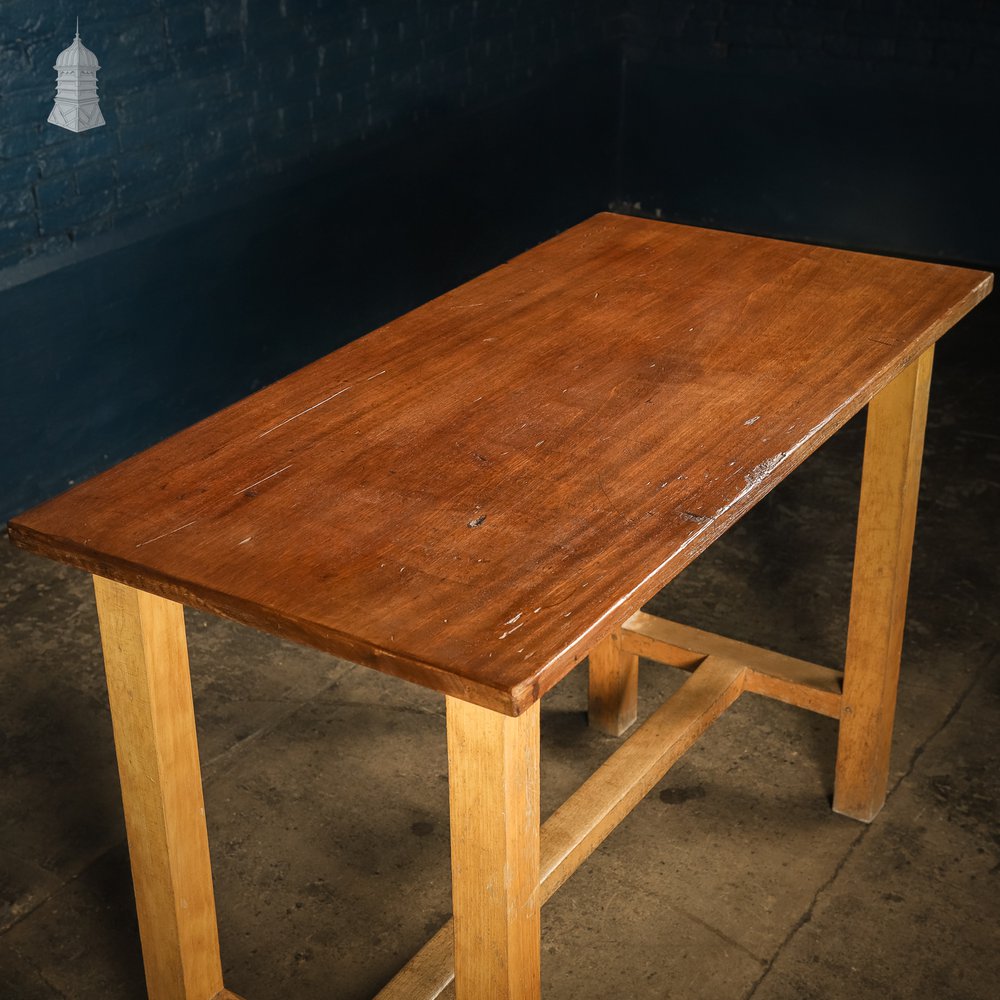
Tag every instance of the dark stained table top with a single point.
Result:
(473, 495)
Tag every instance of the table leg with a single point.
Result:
(149, 688)
(613, 676)
(493, 782)
(886, 515)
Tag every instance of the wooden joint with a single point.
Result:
(584, 820)
(613, 686)
(774, 675)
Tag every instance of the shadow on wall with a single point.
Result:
(107, 356)
(863, 163)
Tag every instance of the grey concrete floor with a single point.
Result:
(326, 785)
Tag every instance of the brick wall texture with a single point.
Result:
(202, 97)
(945, 40)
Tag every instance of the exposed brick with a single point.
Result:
(890, 36)
(26, 19)
(61, 151)
(26, 107)
(16, 232)
(17, 174)
(19, 141)
(76, 212)
(16, 201)
(877, 48)
(957, 55)
(98, 176)
(186, 28)
(199, 95)
(55, 191)
(914, 50)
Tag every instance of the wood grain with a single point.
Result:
(578, 827)
(429, 973)
(149, 687)
(886, 515)
(493, 785)
(475, 495)
(584, 820)
(784, 678)
(613, 686)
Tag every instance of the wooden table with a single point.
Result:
(480, 494)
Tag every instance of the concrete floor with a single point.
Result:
(327, 794)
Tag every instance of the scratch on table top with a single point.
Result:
(259, 481)
(308, 409)
(751, 421)
(760, 472)
(172, 531)
(696, 518)
(511, 630)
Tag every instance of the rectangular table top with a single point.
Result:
(474, 495)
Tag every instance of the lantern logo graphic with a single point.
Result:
(76, 106)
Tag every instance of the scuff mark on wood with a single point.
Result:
(259, 481)
(475, 522)
(302, 413)
(696, 518)
(765, 468)
(172, 531)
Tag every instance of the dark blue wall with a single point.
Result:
(115, 352)
(207, 96)
(251, 219)
(861, 123)
(276, 177)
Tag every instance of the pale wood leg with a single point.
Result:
(493, 782)
(613, 676)
(893, 450)
(149, 687)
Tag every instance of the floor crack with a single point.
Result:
(914, 760)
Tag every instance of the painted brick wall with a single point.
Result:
(949, 39)
(202, 97)
(861, 123)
